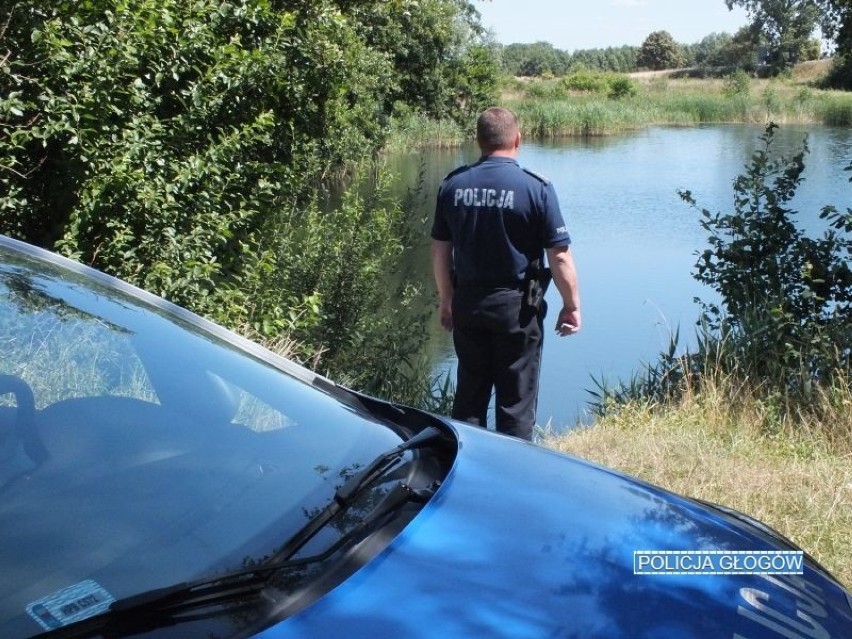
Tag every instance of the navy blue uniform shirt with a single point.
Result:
(499, 217)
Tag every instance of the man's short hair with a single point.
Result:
(496, 130)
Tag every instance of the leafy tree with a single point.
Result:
(477, 81)
(787, 26)
(443, 65)
(709, 50)
(743, 51)
(154, 137)
(124, 123)
(541, 58)
(534, 60)
(181, 146)
(836, 24)
(782, 328)
(811, 50)
(660, 51)
(617, 59)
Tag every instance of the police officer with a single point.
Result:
(493, 223)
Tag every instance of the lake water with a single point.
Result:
(634, 240)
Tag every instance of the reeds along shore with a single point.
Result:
(556, 112)
(597, 104)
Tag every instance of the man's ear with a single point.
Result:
(517, 141)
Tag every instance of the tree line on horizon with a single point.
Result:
(658, 52)
(778, 36)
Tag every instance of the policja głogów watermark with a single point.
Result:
(718, 562)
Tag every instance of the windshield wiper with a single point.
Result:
(174, 604)
(344, 496)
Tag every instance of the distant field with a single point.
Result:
(802, 73)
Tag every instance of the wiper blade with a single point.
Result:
(173, 604)
(344, 495)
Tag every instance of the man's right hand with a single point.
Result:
(565, 278)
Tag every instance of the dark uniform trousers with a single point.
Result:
(498, 339)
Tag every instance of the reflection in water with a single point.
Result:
(634, 239)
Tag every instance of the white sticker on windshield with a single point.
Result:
(70, 604)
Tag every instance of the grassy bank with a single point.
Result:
(589, 104)
(686, 102)
(794, 476)
(596, 104)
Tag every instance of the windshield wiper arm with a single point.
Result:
(344, 495)
(162, 606)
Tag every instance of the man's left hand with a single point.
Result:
(568, 322)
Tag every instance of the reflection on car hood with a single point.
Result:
(522, 542)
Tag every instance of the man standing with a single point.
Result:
(493, 223)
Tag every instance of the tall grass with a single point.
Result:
(835, 109)
(420, 131)
(605, 104)
(595, 104)
(582, 117)
(703, 108)
(783, 403)
(548, 110)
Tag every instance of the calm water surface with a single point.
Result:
(634, 240)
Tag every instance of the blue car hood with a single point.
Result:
(524, 542)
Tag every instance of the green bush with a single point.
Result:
(783, 322)
(737, 84)
(622, 87)
(840, 74)
(545, 90)
(182, 146)
(587, 81)
(612, 85)
(154, 138)
(785, 314)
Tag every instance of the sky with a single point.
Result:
(597, 24)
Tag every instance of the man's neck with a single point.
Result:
(503, 153)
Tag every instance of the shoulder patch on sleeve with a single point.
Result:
(538, 177)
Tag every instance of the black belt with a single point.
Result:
(512, 286)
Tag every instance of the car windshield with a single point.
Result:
(139, 449)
